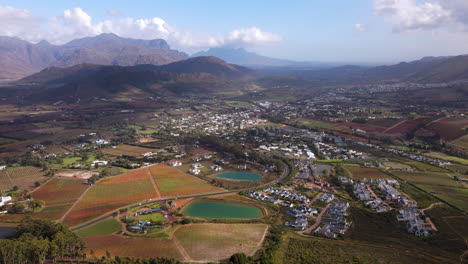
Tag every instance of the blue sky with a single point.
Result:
(348, 31)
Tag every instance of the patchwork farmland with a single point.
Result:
(449, 128)
(112, 193)
(172, 182)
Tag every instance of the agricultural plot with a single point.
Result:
(310, 123)
(461, 142)
(112, 193)
(424, 166)
(365, 127)
(172, 182)
(211, 242)
(449, 128)
(366, 173)
(132, 246)
(60, 192)
(404, 127)
(106, 227)
(127, 150)
(23, 177)
(441, 185)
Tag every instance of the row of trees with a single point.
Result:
(37, 241)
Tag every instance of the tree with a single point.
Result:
(238, 258)
(36, 204)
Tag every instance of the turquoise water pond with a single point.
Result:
(239, 176)
(220, 210)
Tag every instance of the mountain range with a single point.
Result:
(243, 57)
(86, 81)
(20, 58)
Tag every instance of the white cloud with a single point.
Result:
(76, 23)
(408, 15)
(360, 27)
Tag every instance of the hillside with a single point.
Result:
(20, 58)
(81, 82)
(426, 70)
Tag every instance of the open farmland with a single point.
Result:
(132, 246)
(60, 191)
(311, 123)
(403, 127)
(23, 177)
(106, 227)
(172, 182)
(441, 185)
(127, 150)
(112, 193)
(220, 241)
(366, 173)
(449, 128)
(365, 127)
(461, 142)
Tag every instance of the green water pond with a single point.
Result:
(239, 176)
(220, 210)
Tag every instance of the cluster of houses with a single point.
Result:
(288, 195)
(326, 197)
(402, 153)
(334, 220)
(300, 214)
(335, 152)
(296, 151)
(414, 224)
(4, 200)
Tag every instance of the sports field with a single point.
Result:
(212, 242)
(366, 173)
(172, 182)
(441, 185)
(112, 193)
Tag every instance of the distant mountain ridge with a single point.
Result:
(20, 58)
(194, 75)
(425, 70)
(243, 57)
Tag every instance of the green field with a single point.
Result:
(424, 167)
(442, 156)
(439, 184)
(156, 217)
(102, 228)
(311, 123)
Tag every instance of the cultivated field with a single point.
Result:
(461, 142)
(106, 227)
(441, 185)
(403, 127)
(367, 173)
(449, 128)
(172, 182)
(132, 246)
(23, 177)
(219, 241)
(127, 150)
(112, 193)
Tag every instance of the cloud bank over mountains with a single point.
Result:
(76, 23)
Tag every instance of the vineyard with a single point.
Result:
(23, 177)
(112, 193)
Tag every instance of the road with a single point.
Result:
(285, 174)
